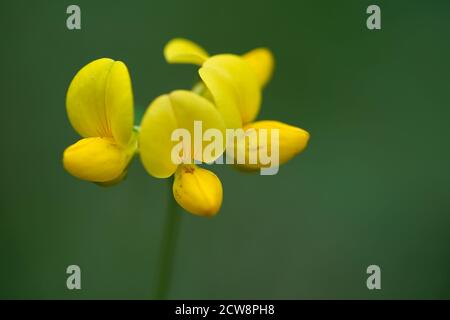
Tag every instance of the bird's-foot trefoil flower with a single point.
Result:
(235, 83)
(195, 189)
(99, 106)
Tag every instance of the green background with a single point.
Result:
(371, 188)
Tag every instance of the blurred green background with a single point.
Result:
(372, 187)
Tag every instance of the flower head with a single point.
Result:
(100, 108)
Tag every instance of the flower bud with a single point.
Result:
(197, 190)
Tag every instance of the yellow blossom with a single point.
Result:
(167, 113)
(99, 105)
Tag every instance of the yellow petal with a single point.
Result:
(96, 159)
(241, 76)
(292, 141)
(177, 110)
(184, 51)
(99, 101)
(197, 190)
(155, 143)
(223, 94)
(190, 107)
(119, 103)
(262, 62)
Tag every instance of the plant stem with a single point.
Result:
(168, 246)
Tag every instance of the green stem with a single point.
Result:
(168, 246)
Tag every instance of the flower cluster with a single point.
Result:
(228, 96)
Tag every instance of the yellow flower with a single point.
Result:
(100, 108)
(234, 83)
(197, 190)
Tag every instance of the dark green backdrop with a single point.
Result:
(372, 187)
